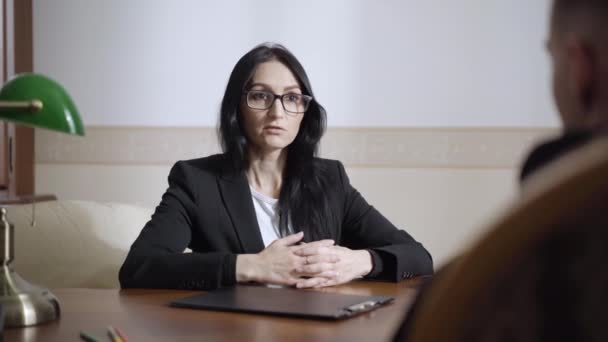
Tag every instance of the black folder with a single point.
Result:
(283, 301)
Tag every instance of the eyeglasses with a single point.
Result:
(292, 103)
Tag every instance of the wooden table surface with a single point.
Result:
(144, 315)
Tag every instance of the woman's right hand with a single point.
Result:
(277, 263)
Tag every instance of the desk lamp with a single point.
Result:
(38, 101)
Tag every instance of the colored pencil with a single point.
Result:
(121, 334)
(113, 335)
(88, 337)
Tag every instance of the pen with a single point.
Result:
(88, 338)
(113, 334)
(121, 334)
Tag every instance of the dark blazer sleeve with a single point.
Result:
(156, 258)
(363, 227)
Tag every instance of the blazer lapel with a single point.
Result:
(237, 200)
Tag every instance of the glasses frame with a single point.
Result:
(275, 97)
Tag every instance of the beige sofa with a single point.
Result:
(75, 243)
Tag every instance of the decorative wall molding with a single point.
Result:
(355, 147)
(431, 147)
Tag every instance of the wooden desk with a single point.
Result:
(144, 316)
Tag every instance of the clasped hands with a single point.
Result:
(287, 261)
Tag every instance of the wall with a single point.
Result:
(432, 105)
(442, 185)
(431, 63)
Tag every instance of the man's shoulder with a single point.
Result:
(551, 150)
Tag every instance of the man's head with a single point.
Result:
(578, 44)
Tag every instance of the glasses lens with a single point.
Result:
(296, 103)
(259, 99)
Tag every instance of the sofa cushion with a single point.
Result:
(75, 243)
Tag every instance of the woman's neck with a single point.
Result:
(265, 172)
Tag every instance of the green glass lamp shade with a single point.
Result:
(58, 112)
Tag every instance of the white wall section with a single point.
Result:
(375, 63)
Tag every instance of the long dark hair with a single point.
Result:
(302, 199)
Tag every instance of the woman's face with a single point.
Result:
(271, 129)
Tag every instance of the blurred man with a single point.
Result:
(578, 45)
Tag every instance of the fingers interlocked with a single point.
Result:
(316, 265)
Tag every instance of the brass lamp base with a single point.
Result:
(25, 304)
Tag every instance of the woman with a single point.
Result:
(267, 210)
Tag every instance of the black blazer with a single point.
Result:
(208, 208)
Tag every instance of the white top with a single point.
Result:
(267, 215)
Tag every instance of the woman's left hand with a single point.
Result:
(349, 264)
